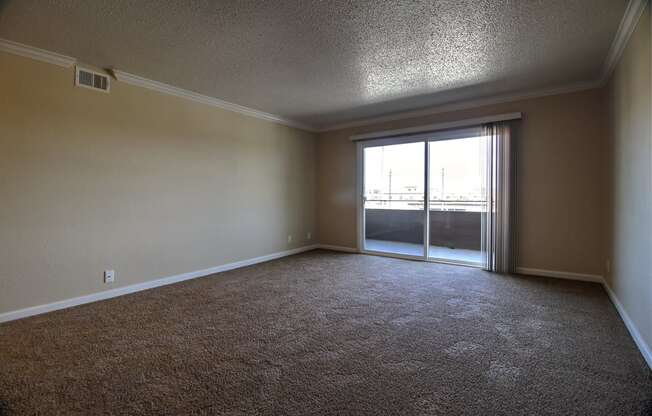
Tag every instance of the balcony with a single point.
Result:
(455, 235)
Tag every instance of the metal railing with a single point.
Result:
(448, 228)
(435, 204)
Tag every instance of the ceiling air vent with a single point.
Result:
(91, 79)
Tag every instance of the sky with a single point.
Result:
(460, 159)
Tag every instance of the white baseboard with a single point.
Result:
(560, 275)
(645, 349)
(338, 248)
(107, 294)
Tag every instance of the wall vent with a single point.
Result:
(91, 79)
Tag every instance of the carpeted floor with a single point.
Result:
(325, 333)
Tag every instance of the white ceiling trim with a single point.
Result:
(465, 105)
(67, 62)
(627, 26)
(205, 99)
(36, 53)
(632, 14)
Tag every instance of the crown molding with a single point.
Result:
(36, 53)
(465, 105)
(205, 99)
(67, 62)
(122, 76)
(628, 23)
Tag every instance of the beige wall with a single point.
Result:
(152, 185)
(629, 242)
(560, 151)
(147, 184)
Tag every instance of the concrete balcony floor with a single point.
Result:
(443, 253)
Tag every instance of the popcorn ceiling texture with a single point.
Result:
(324, 62)
(332, 334)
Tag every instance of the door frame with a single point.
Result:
(426, 138)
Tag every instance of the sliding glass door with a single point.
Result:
(394, 199)
(424, 197)
(457, 199)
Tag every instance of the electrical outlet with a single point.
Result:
(289, 239)
(109, 276)
(309, 236)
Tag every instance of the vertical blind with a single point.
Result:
(498, 215)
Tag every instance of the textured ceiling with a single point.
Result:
(325, 62)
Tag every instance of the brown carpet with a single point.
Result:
(325, 333)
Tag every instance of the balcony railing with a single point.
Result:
(409, 201)
(452, 227)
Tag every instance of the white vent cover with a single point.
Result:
(91, 79)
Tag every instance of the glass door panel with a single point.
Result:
(394, 199)
(456, 199)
